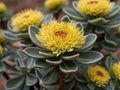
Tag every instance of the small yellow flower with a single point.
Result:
(22, 20)
(1, 50)
(60, 37)
(94, 8)
(116, 70)
(98, 75)
(2, 7)
(52, 4)
(2, 39)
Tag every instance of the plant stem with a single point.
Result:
(61, 81)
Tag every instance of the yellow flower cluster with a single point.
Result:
(1, 50)
(94, 8)
(2, 39)
(22, 20)
(52, 4)
(98, 75)
(60, 37)
(116, 70)
(2, 7)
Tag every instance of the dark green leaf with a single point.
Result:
(89, 57)
(31, 79)
(33, 52)
(68, 67)
(51, 77)
(15, 82)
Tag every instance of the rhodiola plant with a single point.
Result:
(99, 17)
(63, 53)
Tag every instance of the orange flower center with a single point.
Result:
(93, 2)
(26, 16)
(99, 73)
(61, 34)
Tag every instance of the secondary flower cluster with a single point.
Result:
(22, 20)
(2, 7)
(95, 8)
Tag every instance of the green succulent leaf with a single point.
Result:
(70, 57)
(80, 78)
(15, 83)
(41, 64)
(89, 57)
(91, 86)
(98, 21)
(54, 62)
(73, 14)
(10, 36)
(2, 67)
(50, 87)
(31, 79)
(46, 54)
(22, 35)
(9, 25)
(110, 40)
(33, 30)
(69, 85)
(25, 43)
(51, 77)
(113, 24)
(47, 18)
(113, 13)
(109, 61)
(108, 46)
(65, 19)
(89, 41)
(33, 52)
(68, 67)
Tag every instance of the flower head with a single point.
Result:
(94, 8)
(2, 7)
(2, 39)
(1, 50)
(22, 20)
(116, 70)
(52, 4)
(60, 37)
(98, 75)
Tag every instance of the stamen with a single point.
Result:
(61, 34)
(99, 73)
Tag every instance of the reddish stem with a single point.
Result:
(61, 81)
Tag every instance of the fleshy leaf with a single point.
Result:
(51, 77)
(47, 18)
(73, 14)
(98, 21)
(33, 52)
(31, 79)
(89, 57)
(33, 30)
(15, 82)
(68, 67)
(41, 64)
(10, 36)
(65, 19)
(54, 62)
(90, 39)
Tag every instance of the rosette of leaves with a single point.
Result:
(66, 63)
(22, 37)
(23, 73)
(110, 63)
(104, 26)
(112, 40)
